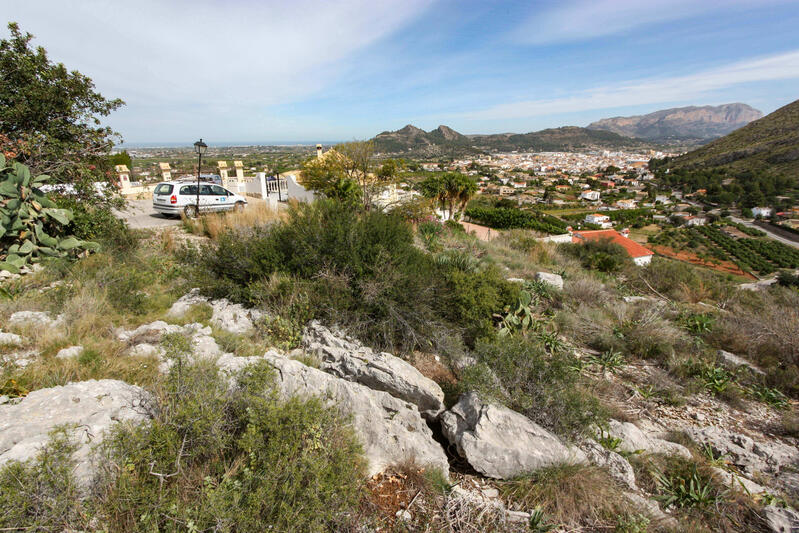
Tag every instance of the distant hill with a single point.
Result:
(444, 141)
(769, 145)
(699, 124)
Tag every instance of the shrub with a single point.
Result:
(98, 223)
(41, 494)
(357, 269)
(238, 460)
(544, 387)
(602, 255)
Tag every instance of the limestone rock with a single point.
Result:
(390, 429)
(551, 279)
(151, 333)
(69, 353)
(34, 319)
(733, 361)
(749, 455)
(185, 303)
(738, 482)
(234, 318)
(352, 361)
(501, 443)
(89, 408)
(10, 338)
(145, 349)
(634, 439)
(617, 466)
(781, 519)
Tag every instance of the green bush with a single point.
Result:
(357, 269)
(241, 460)
(602, 255)
(544, 387)
(41, 494)
(99, 224)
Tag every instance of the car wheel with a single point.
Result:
(190, 211)
(238, 207)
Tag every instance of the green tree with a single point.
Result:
(50, 117)
(450, 190)
(121, 158)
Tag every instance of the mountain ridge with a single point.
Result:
(691, 123)
(444, 140)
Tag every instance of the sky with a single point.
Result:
(261, 71)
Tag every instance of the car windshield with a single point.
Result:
(163, 188)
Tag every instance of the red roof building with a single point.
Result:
(641, 256)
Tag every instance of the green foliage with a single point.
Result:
(240, 460)
(698, 323)
(602, 255)
(98, 223)
(509, 218)
(544, 387)
(685, 489)
(539, 522)
(608, 361)
(358, 269)
(31, 225)
(41, 494)
(51, 117)
(451, 190)
(430, 232)
(769, 396)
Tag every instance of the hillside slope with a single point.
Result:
(682, 123)
(769, 145)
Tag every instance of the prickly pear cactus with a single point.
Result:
(31, 225)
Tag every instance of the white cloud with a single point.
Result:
(579, 20)
(652, 91)
(171, 59)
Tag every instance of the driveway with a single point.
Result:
(140, 215)
(774, 236)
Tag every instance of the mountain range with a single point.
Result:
(693, 123)
(769, 145)
(444, 141)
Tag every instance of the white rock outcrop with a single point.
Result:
(554, 280)
(617, 466)
(10, 338)
(501, 443)
(346, 358)
(87, 408)
(749, 455)
(391, 430)
(34, 319)
(234, 318)
(70, 352)
(634, 439)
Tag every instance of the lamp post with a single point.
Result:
(200, 147)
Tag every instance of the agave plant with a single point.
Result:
(31, 225)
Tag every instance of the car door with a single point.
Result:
(207, 198)
(221, 198)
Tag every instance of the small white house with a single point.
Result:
(662, 199)
(763, 212)
(592, 196)
(602, 221)
(695, 221)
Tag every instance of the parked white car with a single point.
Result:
(176, 197)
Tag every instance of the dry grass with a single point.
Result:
(575, 497)
(257, 213)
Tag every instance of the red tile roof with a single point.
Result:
(632, 247)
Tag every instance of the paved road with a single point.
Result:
(774, 236)
(140, 215)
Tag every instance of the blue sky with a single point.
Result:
(258, 71)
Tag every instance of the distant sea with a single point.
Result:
(221, 144)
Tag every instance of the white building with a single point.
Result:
(592, 196)
(763, 212)
(602, 221)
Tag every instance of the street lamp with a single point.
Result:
(200, 147)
